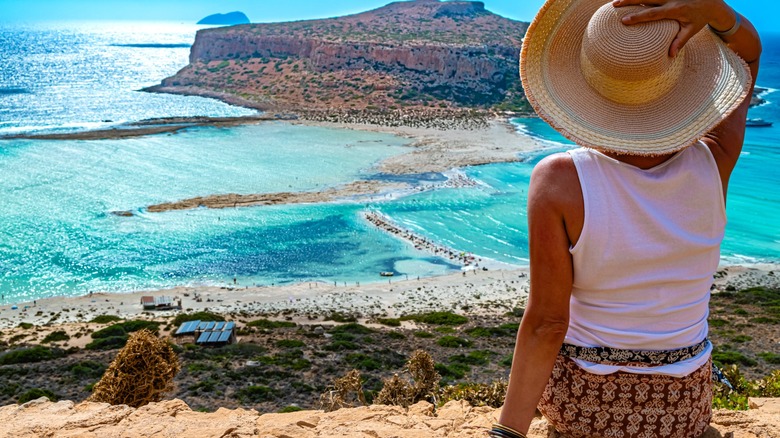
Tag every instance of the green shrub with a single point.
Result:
(445, 330)
(490, 332)
(105, 319)
(290, 343)
(363, 361)
(437, 318)
(292, 359)
(396, 335)
(255, 394)
(453, 371)
(197, 316)
(478, 357)
(718, 323)
(341, 317)
(765, 320)
(340, 346)
(741, 339)
(390, 322)
(88, 369)
(453, 342)
(205, 385)
(25, 325)
(731, 357)
(109, 343)
(35, 394)
(125, 328)
(55, 336)
(772, 358)
(507, 361)
(291, 408)
(352, 328)
(270, 325)
(423, 335)
(30, 355)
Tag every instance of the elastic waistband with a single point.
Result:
(618, 356)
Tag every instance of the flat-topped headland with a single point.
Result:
(408, 56)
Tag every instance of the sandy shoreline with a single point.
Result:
(474, 292)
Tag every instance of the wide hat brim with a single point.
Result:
(714, 82)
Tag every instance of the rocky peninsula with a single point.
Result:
(412, 56)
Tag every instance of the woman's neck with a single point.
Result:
(640, 161)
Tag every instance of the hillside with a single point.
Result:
(413, 55)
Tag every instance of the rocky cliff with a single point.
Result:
(175, 419)
(421, 53)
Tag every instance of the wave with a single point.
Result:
(51, 129)
(7, 91)
(154, 45)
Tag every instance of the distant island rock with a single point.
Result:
(231, 18)
(408, 57)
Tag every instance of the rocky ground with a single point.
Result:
(175, 419)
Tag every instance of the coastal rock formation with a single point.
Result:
(420, 54)
(231, 18)
(175, 419)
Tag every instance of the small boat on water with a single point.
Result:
(757, 123)
(386, 274)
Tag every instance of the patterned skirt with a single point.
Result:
(625, 405)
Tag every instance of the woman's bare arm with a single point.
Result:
(553, 199)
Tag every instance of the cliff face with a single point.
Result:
(175, 419)
(480, 68)
(418, 53)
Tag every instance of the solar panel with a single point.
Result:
(230, 326)
(202, 326)
(224, 336)
(219, 326)
(213, 337)
(204, 337)
(210, 325)
(188, 327)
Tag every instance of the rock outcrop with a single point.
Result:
(422, 53)
(175, 419)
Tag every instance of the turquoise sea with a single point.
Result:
(58, 237)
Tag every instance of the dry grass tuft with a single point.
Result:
(395, 392)
(477, 394)
(422, 370)
(346, 392)
(140, 374)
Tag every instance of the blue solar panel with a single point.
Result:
(219, 326)
(203, 325)
(204, 337)
(210, 325)
(224, 336)
(230, 326)
(214, 336)
(188, 327)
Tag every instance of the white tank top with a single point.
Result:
(645, 260)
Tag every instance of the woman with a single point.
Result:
(625, 233)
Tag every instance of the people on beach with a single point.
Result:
(419, 242)
(625, 231)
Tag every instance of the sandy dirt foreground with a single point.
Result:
(39, 418)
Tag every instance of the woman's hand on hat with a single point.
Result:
(692, 15)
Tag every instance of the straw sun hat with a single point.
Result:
(613, 87)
